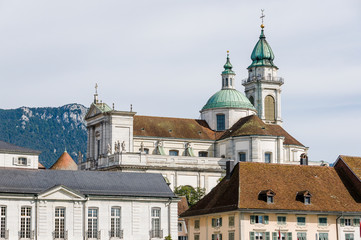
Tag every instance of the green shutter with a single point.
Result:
(267, 236)
(342, 222)
(289, 236)
(213, 222)
(220, 222)
(252, 219)
(220, 236)
(356, 222)
(251, 236)
(265, 219)
(213, 236)
(274, 236)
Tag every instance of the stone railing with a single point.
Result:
(263, 79)
(141, 159)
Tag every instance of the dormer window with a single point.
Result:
(267, 196)
(304, 196)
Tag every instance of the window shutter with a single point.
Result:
(251, 236)
(28, 162)
(342, 222)
(265, 219)
(220, 237)
(213, 222)
(267, 236)
(289, 236)
(14, 163)
(252, 219)
(213, 236)
(356, 222)
(220, 222)
(274, 236)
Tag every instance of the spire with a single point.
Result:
(262, 54)
(96, 94)
(228, 66)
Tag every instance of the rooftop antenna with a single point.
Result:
(262, 17)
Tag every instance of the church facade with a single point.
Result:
(233, 126)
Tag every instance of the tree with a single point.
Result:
(192, 195)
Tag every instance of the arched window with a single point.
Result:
(269, 108)
(230, 82)
(226, 82)
(221, 122)
(251, 99)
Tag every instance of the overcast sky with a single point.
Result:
(165, 57)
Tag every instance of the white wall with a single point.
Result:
(10, 160)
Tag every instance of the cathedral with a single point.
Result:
(234, 126)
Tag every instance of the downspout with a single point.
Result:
(167, 204)
(36, 217)
(337, 233)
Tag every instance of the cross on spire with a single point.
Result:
(262, 17)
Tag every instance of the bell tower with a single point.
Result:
(263, 86)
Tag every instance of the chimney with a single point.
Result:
(303, 159)
(228, 168)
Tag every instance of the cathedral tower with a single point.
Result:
(263, 87)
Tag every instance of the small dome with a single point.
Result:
(65, 162)
(228, 98)
(262, 54)
(228, 67)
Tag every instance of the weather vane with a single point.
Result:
(262, 17)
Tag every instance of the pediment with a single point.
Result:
(93, 111)
(61, 193)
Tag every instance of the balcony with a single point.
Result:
(278, 80)
(115, 234)
(156, 233)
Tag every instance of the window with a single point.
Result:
(261, 219)
(269, 108)
(259, 235)
(216, 222)
(251, 99)
(301, 221)
(196, 236)
(281, 220)
(182, 238)
(216, 236)
(231, 221)
(180, 227)
(230, 82)
(267, 157)
(59, 232)
(284, 236)
(196, 224)
(323, 236)
(269, 199)
(115, 224)
(202, 154)
(155, 232)
(2, 221)
(25, 222)
(22, 161)
(173, 152)
(231, 236)
(93, 223)
(345, 222)
(226, 82)
(307, 200)
(349, 236)
(301, 236)
(98, 147)
(221, 122)
(242, 156)
(322, 221)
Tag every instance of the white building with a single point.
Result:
(12, 156)
(193, 151)
(52, 204)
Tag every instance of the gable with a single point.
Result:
(93, 111)
(61, 193)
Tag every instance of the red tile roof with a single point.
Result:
(182, 205)
(242, 190)
(65, 162)
(354, 163)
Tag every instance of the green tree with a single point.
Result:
(192, 194)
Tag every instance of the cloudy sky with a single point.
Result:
(165, 57)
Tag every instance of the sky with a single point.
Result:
(165, 58)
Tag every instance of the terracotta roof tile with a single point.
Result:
(165, 127)
(253, 125)
(354, 163)
(65, 162)
(182, 205)
(249, 179)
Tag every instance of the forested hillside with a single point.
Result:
(49, 130)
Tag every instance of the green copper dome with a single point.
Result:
(228, 98)
(262, 55)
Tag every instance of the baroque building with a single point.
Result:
(233, 126)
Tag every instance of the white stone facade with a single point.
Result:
(19, 160)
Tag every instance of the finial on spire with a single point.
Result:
(96, 88)
(131, 107)
(262, 17)
(96, 94)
